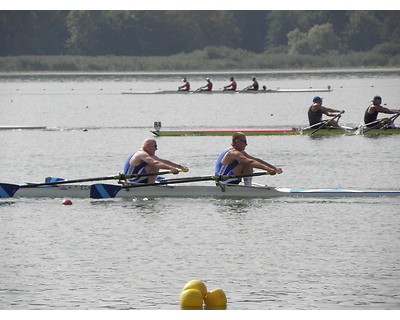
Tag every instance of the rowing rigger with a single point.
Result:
(171, 188)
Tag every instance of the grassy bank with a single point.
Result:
(219, 59)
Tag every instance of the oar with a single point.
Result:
(326, 122)
(311, 127)
(101, 191)
(8, 190)
(380, 122)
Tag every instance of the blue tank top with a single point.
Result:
(221, 169)
(128, 169)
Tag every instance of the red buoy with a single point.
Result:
(67, 202)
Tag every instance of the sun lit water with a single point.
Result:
(266, 254)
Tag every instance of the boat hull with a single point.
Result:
(193, 191)
(229, 91)
(274, 132)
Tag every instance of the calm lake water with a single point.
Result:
(266, 254)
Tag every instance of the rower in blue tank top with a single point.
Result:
(235, 160)
(145, 161)
(139, 169)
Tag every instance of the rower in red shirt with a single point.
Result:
(185, 86)
(232, 86)
(207, 87)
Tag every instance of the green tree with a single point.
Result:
(320, 39)
(362, 31)
(32, 32)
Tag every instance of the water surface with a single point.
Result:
(266, 254)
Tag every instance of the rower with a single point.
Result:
(207, 87)
(253, 86)
(185, 86)
(145, 161)
(232, 86)
(316, 110)
(235, 161)
(372, 112)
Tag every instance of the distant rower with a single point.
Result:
(371, 114)
(232, 86)
(207, 87)
(185, 86)
(254, 85)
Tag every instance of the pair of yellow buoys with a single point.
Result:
(195, 293)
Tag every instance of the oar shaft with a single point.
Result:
(117, 177)
(378, 123)
(198, 179)
(326, 122)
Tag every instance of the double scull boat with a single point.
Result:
(59, 188)
(189, 191)
(274, 132)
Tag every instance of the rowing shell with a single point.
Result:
(193, 191)
(274, 132)
(278, 90)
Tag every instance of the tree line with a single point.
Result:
(165, 33)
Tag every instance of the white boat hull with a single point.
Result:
(278, 90)
(191, 191)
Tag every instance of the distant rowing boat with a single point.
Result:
(274, 132)
(278, 90)
(193, 191)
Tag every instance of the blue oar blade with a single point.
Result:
(8, 190)
(103, 191)
(53, 179)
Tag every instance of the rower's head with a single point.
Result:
(317, 99)
(231, 79)
(150, 146)
(184, 80)
(254, 78)
(377, 100)
(239, 141)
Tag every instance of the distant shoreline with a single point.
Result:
(192, 62)
(206, 73)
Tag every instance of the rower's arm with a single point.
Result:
(386, 110)
(257, 163)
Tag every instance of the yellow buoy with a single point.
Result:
(215, 298)
(191, 298)
(198, 285)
